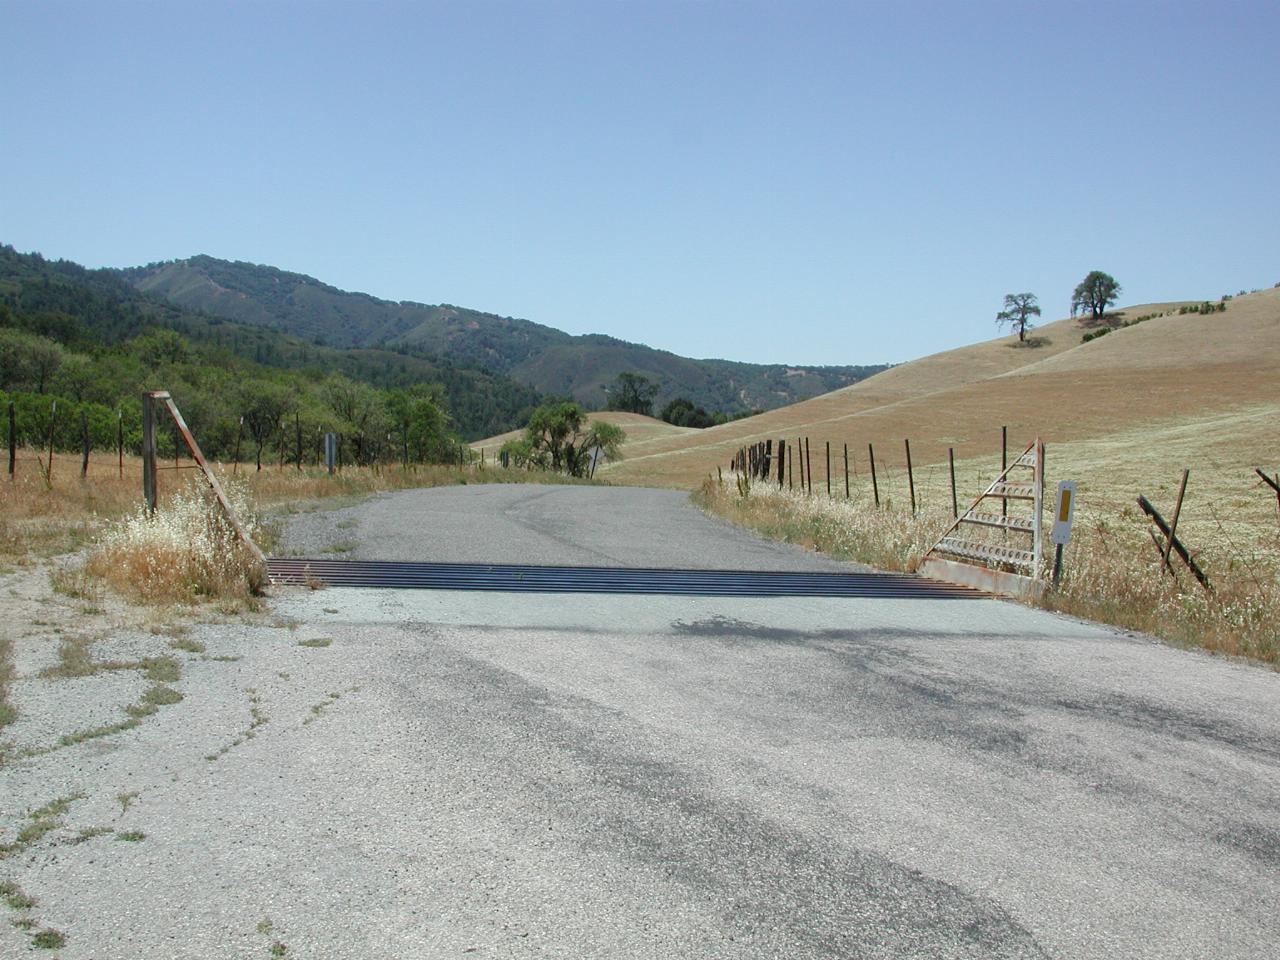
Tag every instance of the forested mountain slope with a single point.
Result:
(92, 312)
(549, 360)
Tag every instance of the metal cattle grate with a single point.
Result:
(515, 578)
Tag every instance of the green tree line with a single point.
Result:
(92, 312)
(51, 372)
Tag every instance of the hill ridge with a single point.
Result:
(543, 357)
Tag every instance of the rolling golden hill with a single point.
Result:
(1122, 414)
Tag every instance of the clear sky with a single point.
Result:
(787, 181)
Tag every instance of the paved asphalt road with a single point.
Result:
(854, 778)
(500, 775)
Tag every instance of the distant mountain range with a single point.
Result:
(94, 311)
(544, 358)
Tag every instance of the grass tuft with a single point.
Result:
(184, 553)
(316, 642)
(49, 939)
(15, 897)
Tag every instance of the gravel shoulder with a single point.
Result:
(436, 774)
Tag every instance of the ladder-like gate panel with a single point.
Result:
(969, 551)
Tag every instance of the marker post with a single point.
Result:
(1061, 535)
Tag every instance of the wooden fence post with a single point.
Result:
(1173, 524)
(828, 469)
(875, 487)
(297, 426)
(951, 459)
(53, 417)
(846, 471)
(1004, 468)
(13, 441)
(1273, 484)
(235, 457)
(1178, 545)
(149, 451)
(911, 480)
(808, 465)
(782, 462)
(120, 441)
(84, 438)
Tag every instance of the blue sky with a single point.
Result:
(798, 182)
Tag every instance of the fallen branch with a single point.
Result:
(1178, 547)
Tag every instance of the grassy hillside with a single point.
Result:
(548, 360)
(1122, 413)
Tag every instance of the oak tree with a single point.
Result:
(1018, 310)
(1095, 293)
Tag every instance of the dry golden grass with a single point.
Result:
(187, 552)
(1111, 571)
(1146, 378)
(1122, 414)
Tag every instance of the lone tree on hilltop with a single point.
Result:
(1095, 293)
(1018, 310)
(633, 393)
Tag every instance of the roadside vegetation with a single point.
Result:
(560, 437)
(187, 552)
(1111, 572)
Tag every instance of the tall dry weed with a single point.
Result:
(184, 553)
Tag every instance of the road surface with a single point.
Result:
(504, 775)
